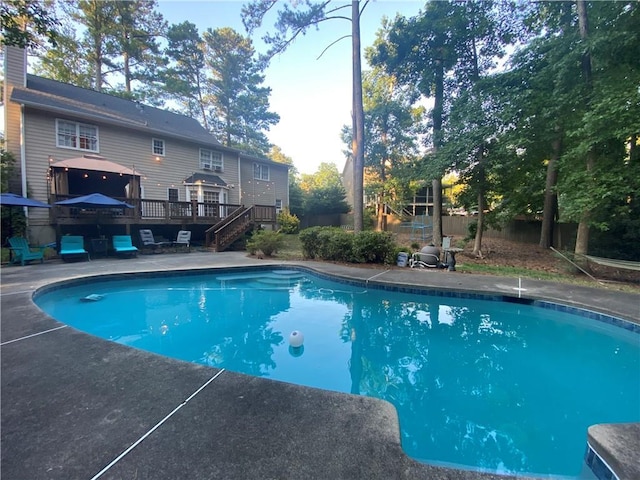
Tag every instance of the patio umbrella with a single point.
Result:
(98, 202)
(94, 200)
(13, 200)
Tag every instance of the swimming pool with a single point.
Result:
(499, 386)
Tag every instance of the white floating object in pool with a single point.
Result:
(94, 297)
(296, 339)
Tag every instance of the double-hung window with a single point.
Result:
(78, 136)
(210, 160)
(260, 171)
(157, 147)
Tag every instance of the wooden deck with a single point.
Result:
(150, 212)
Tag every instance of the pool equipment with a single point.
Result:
(94, 297)
(296, 339)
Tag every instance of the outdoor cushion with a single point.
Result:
(122, 244)
(72, 245)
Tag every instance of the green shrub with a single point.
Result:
(288, 222)
(267, 241)
(373, 247)
(309, 241)
(335, 244)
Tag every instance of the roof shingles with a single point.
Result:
(55, 96)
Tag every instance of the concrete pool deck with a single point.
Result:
(77, 407)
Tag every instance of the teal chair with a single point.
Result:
(72, 246)
(22, 252)
(122, 245)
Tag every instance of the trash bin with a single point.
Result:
(403, 259)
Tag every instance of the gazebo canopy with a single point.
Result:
(97, 163)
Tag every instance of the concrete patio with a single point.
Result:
(77, 407)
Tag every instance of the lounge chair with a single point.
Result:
(22, 252)
(183, 239)
(122, 245)
(72, 246)
(146, 236)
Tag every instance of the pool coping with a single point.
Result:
(344, 437)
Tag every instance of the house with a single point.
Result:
(71, 141)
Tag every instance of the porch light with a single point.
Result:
(86, 175)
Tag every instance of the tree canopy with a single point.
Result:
(25, 23)
(126, 48)
(551, 130)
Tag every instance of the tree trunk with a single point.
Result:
(477, 244)
(127, 72)
(358, 120)
(436, 116)
(634, 151)
(437, 212)
(550, 195)
(582, 237)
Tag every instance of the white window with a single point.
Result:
(211, 197)
(210, 160)
(260, 171)
(78, 136)
(278, 205)
(157, 146)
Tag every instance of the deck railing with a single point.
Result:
(148, 210)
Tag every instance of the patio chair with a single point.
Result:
(122, 245)
(72, 246)
(183, 239)
(146, 236)
(22, 252)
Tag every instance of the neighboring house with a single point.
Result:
(71, 141)
(421, 202)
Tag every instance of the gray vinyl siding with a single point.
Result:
(15, 67)
(280, 176)
(14, 70)
(264, 192)
(128, 148)
(41, 144)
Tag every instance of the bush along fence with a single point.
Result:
(338, 245)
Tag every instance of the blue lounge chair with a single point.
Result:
(21, 251)
(72, 246)
(122, 245)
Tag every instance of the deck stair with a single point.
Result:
(221, 235)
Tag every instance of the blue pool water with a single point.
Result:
(491, 385)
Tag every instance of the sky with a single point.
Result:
(312, 95)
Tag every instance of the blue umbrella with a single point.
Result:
(94, 200)
(13, 200)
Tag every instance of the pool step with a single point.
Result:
(276, 276)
